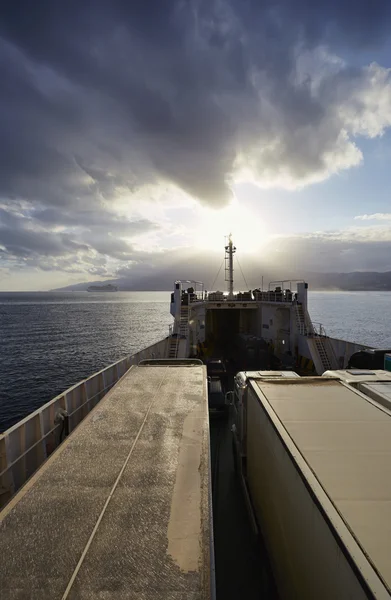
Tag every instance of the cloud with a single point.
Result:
(374, 217)
(107, 107)
(102, 221)
(194, 94)
(352, 249)
(288, 256)
(25, 242)
(301, 256)
(52, 239)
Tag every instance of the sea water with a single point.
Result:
(50, 341)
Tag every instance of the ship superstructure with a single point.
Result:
(266, 329)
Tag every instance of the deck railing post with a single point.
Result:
(7, 486)
(103, 385)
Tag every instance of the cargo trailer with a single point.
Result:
(314, 457)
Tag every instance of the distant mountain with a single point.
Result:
(163, 280)
(356, 281)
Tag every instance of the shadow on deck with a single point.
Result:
(242, 565)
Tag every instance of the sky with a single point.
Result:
(135, 135)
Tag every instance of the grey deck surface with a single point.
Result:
(346, 441)
(121, 510)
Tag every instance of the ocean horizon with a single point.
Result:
(52, 340)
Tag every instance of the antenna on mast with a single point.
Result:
(229, 266)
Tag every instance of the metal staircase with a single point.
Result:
(321, 348)
(181, 332)
(306, 328)
(173, 347)
(300, 320)
(184, 321)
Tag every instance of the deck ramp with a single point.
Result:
(122, 508)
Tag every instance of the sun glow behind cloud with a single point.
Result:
(115, 165)
(248, 231)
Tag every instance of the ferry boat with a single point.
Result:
(108, 287)
(245, 455)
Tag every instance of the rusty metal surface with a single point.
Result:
(121, 510)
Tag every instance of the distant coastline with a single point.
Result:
(322, 282)
(70, 290)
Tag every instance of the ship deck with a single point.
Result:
(122, 508)
(242, 564)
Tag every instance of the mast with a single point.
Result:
(229, 266)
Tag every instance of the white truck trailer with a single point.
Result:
(314, 456)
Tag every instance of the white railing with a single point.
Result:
(318, 329)
(26, 445)
(306, 326)
(323, 343)
(255, 297)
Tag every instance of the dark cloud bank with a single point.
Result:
(101, 98)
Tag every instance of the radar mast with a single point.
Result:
(229, 266)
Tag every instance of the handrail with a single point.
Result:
(4, 471)
(29, 437)
(319, 331)
(170, 362)
(330, 346)
(43, 437)
(282, 281)
(260, 297)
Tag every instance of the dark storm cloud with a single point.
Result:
(149, 90)
(89, 235)
(96, 220)
(99, 99)
(23, 243)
